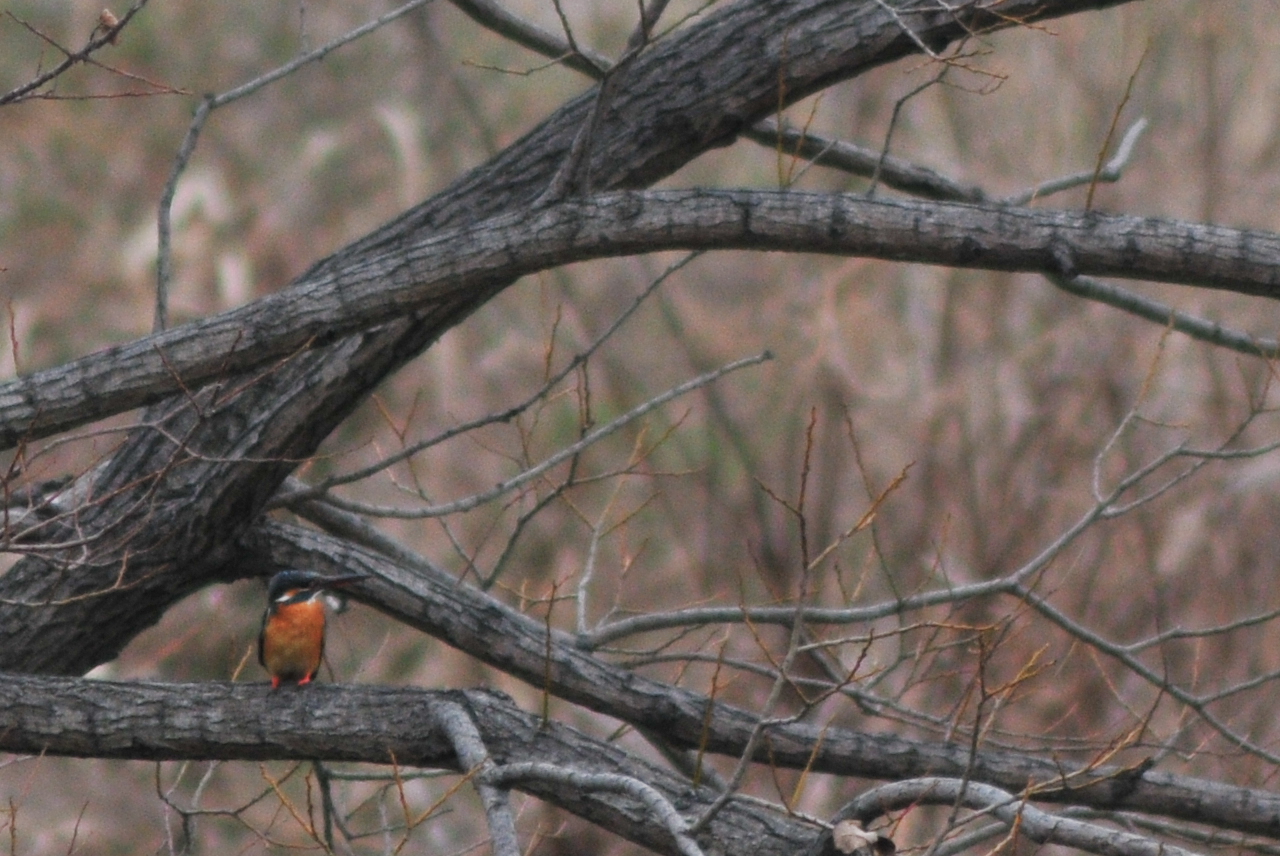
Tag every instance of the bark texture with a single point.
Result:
(379, 725)
(239, 400)
(163, 513)
(453, 265)
(515, 643)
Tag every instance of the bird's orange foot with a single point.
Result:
(306, 680)
(275, 682)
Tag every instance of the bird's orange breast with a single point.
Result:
(293, 641)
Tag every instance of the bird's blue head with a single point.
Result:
(293, 583)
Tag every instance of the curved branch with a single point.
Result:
(443, 267)
(1013, 811)
(537, 470)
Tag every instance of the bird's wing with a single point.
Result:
(262, 639)
(323, 633)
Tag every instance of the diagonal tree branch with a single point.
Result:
(165, 510)
(470, 621)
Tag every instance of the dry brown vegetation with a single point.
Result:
(919, 430)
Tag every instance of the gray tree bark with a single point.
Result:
(452, 265)
(236, 402)
(160, 517)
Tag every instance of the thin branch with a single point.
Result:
(527, 34)
(456, 722)
(580, 359)
(577, 780)
(1159, 312)
(164, 218)
(315, 55)
(518, 481)
(895, 172)
(1014, 812)
(574, 176)
(164, 224)
(1112, 171)
(101, 37)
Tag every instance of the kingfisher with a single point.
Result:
(291, 642)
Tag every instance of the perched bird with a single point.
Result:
(291, 642)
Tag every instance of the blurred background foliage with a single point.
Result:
(993, 392)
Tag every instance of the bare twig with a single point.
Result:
(99, 39)
(164, 258)
(1112, 170)
(523, 478)
(301, 492)
(164, 218)
(496, 18)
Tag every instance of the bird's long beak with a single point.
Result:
(341, 580)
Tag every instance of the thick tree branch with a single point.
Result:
(169, 512)
(170, 501)
(471, 621)
(379, 725)
(475, 260)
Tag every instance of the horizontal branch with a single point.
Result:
(471, 620)
(378, 725)
(491, 254)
